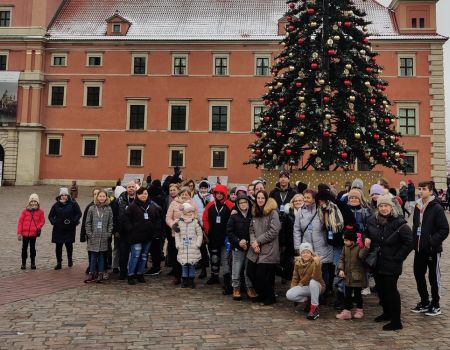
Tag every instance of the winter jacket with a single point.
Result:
(64, 217)
(265, 230)
(139, 228)
(352, 263)
(188, 241)
(30, 221)
(123, 202)
(287, 228)
(434, 228)
(308, 222)
(282, 197)
(238, 228)
(411, 193)
(403, 193)
(393, 241)
(83, 236)
(99, 227)
(305, 272)
(361, 215)
(174, 212)
(201, 203)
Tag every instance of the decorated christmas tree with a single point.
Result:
(326, 104)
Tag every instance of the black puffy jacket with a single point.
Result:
(139, 229)
(238, 227)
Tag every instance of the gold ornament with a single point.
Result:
(270, 88)
(336, 38)
(357, 135)
(301, 98)
(301, 75)
(367, 83)
(373, 119)
(335, 27)
(352, 98)
(348, 66)
(303, 105)
(313, 151)
(301, 134)
(291, 68)
(328, 116)
(315, 55)
(291, 54)
(313, 24)
(321, 81)
(282, 117)
(279, 85)
(362, 52)
(264, 134)
(330, 42)
(269, 151)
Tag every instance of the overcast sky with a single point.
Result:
(443, 11)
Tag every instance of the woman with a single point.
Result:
(65, 215)
(29, 227)
(143, 223)
(264, 252)
(390, 237)
(173, 214)
(83, 236)
(191, 185)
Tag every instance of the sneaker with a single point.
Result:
(237, 293)
(344, 315)
(131, 280)
(105, 276)
(313, 313)
(433, 311)
(91, 278)
(366, 291)
(99, 278)
(153, 272)
(421, 308)
(359, 313)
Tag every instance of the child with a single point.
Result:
(29, 227)
(99, 226)
(307, 282)
(188, 240)
(351, 269)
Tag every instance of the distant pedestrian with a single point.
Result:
(29, 227)
(74, 190)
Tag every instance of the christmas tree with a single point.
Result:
(326, 104)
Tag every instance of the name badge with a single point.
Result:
(187, 241)
(282, 207)
(99, 225)
(419, 231)
(218, 219)
(145, 216)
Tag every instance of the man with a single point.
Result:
(430, 228)
(283, 192)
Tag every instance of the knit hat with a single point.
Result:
(34, 197)
(204, 184)
(63, 190)
(284, 173)
(241, 189)
(118, 191)
(186, 208)
(301, 186)
(385, 199)
(358, 183)
(350, 233)
(242, 196)
(324, 195)
(306, 246)
(376, 189)
(355, 193)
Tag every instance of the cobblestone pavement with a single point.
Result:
(46, 309)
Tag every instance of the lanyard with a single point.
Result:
(283, 199)
(98, 214)
(218, 211)
(146, 209)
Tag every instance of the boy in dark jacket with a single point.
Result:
(430, 228)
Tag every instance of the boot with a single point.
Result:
(131, 280)
(58, 265)
(90, 278)
(214, 279)
(140, 278)
(203, 274)
(33, 264)
(99, 278)
(184, 282)
(69, 261)
(359, 313)
(237, 293)
(24, 264)
(192, 283)
(176, 281)
(344, 315)
(227, 288)
(313, 313)
(251, 293)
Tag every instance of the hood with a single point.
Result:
(222, 189)
(205, 183)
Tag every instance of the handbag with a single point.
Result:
(372, 257)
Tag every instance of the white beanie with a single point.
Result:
(34, 197)
(186, 208)
(63, 190)
(306, 246)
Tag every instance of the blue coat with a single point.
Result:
(64, 218)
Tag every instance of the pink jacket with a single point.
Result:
(29, 222)
(174, 212)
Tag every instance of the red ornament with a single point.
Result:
(397, 138)
(326, 99)
(348, 24)
(373, 101)
(301, 116)
(301, 40)
(369, 70)
(288, 151)
(326, 134)
(291, 28)
(266, 119)
(373, 59)
(292, 5)
(281, 100)
(275, 70)
(278, 133)
(384, 154)
(347, 83)
(344, 155)
(258, 133)
(366, 40)
(402, 155)
(376, 137)
(387, 121)
(314, 66)
(310, 11)
(289, 18)
(266, 102)
(352, 119)
(298, 84)
(332, 52)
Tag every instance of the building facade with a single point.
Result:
(108, 88)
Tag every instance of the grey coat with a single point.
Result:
(313, 232)
(265, 230)
(97, 238)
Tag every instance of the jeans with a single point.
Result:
(96, 262)
(262, 277)
(32, 242)
(239, 260)
(58, 251)
(138, 258)
(188, 271)
(300, 293)
(337, 251)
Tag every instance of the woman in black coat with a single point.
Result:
(391, 237)
(65, 215)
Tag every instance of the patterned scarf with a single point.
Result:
(331, 217)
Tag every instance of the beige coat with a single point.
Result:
(188, 242)
(305, 272)
(174, 213)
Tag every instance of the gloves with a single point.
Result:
(176, 228)
(359, 241)
(19, 237)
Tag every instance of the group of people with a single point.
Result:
(326, 243)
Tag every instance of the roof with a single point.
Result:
(154, 20)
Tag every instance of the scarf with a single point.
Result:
(331, 217)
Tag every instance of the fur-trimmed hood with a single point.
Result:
(270, 205)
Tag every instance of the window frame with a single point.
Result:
(136, 102)
(218, 149)
(135, 148)
(258, 56)
(50, 93)
(410, 105)
(219, 103)
(53, 137)
(113, 25)
(253, 106)
(10, 10)
(181, 148)
(139, 55)
(414, 155)
(88, 84)
(91, 55)
(180, 55)
(6, 54)
(58, 54)
(358, 165)
(227, 69)
(406, 56)
(83, 145)
(172, 103)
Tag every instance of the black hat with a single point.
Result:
(301, 186)
(284, 173)
(350, 233)
(323, 187)
(324, 195)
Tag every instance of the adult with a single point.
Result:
(283, 192)
(191, 185)
(64, 215)
(264, 252)
(403, 193)
(171, 258)
(411, 195)
(115, 209)
(375, 192)
(83, 236)
(390, 238)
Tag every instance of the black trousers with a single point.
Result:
(155, 252)
(172, 253)
(204, 262)
(353, 295)
(262, 277)
(389, 296)
(422, 262)
(124, 254)
(58, 251)
(32, 242)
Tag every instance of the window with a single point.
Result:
(5, 18)
(57, 95)
(90, 146)
(180, 64)
(3, 61)
(406, 66)
(59, 59)
(92, 94)
(139, 64)
(218, 157)
(421, 22)
(362, 165)
(94, 59)
(410, 162)
(220, 65)
(219, 118)
(256, 114)
(137, 115)
(54, 145)
(116, 28)
(178, 116)
(414, 22)
(135, 156)
(177, 156)
(262, 65)
(407, 121)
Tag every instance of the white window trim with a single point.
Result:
(89, 137)
(50, 87)
(258, 55)
(5, 53)
(406, 55)
(116, 24)
(139, 103)
(408, 105)
(94, 54)
(180, 55)
(54, 137)
(220, 103)
(413, 154)
(227, 56)
(144, 55)
(57, 54)
(177, 148)
(10, 9)
(169, 114)
(140, 148)
(253, 105)
(93, 84)
(221, 149)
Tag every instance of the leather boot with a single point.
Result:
(33, 264)
(24, 264)
(251, 293)
(227, 288)
(237, 293)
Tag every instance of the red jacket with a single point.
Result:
(219, 188)
(30, 222)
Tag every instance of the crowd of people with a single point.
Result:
(324, 242)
